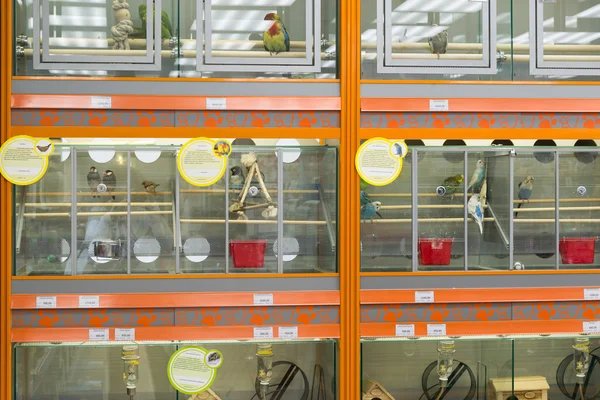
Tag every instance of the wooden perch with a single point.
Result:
(250, 221)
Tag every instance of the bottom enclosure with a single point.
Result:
(494, 368)
(301, 370)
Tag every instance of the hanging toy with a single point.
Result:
(124, 27)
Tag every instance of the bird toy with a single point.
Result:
(124, 27)
(239, 206)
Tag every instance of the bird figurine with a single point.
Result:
(364, 198)
(476, 210)
(438, 44)
(525, 189)
(150, 186)
(236, 176)
(166, 30)
(93, 180)
(368, 211)
(276, 38)
(452, 183)
(477, 178)
(110, 181)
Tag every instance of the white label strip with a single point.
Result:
(438, 105)
(89, 301)
(591, 294)
(263, 332)
(263, 299)
(45, 302)
(125, 334)
(436, 329)
(405, 330)
(98, 334)
(287, 332)
(101, 102)
(591, 326)
(216, 103)
(424, 297)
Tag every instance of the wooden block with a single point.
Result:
(208, 395)
(526, 388)
(373, 390)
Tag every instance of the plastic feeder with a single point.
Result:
(577, 250)
(435, 251)
(248, 253)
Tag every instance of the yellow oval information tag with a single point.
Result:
(202, 161)
(24, 159)
(193, 370)
(379, 160)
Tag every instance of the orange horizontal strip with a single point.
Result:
(480, 133)
(174, 300)
(179, 276)
(170, 333)
(151, 79)
(479, 328)
(121, 102)
(482, 105)
(475, 295)
(482, 273)
(514, 83)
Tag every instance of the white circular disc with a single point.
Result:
(146, 250)
(102, 156)
(289, 155)
(196, 249)
(148, 156)
(290, 248)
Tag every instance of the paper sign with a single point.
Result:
(199, 163)
(101, 102)
(438, 105)
(193, 370)
(436, 329)
(405, 330)
(424, 297)
(45, 302)
(287, 332)
(89, 301)
(379, 160)
(216, 103)
(98, 334)
(591, 294)
(22, 161)
(591, 326)
(125, 334)
(263, 299)
(263, 332)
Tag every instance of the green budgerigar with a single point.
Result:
(452, 183)
(165, 29)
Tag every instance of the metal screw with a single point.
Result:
(581, 190)
(253, 191)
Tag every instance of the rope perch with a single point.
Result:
(124, 27)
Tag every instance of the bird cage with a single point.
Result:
(425, 37)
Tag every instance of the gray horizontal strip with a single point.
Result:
(176, 88)
(518, 280)
(465, 91)
(101, 286)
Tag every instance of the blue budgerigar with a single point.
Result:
(477, 178)
(364, 198)
(276, 38)
(525, 189)
(476, 210)
(368, 211)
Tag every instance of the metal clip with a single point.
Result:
(324, 41)
(513, 152)
(174, 42)
(330, 56)
(177, 53)
(501, 57)
(22, 40)
(19, 52)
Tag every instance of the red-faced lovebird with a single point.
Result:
(276, 38)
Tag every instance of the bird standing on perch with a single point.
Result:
(364, 198)
(438, 44)
(276, 38)
(476, 211)
(110, 181)
(525, 189)
(236, 176)
(477, 178)
(368, 211)
(93, 180)
(150, 186)
(452, 183)
(166, 30)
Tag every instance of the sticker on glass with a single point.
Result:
(21, 162)
(193, 370)
(379, 160)
(198, 162)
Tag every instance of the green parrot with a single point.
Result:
(165, 29)
(452, 183)
(364, 185)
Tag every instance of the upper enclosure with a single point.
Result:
(499, 40)
(206, 39)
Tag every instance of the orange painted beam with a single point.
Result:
(166, 277)
(480, 133)
(183, 103)
(174, 300)
(482, 105)
(328, 331)
(488, 295)
(479, 328)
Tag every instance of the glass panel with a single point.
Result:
(441, 210)
(534, 224)
(42, 223)
(386, 243)
(579, 211)
(411, 369)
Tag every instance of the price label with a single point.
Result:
(98, 334)
(101, 102)
(45, 302)
(263, 333)
(424, 297)
(436, 329)
(438, 105)
(125, 334)
(591, 326)
(216, 104)
(591, 294)
(263, 299)
(89, 301)
(288, 332)
(405, 330)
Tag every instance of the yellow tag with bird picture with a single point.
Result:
(379, 160)
(24, 159)
(203, 161)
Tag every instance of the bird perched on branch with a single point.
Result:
(477, 178)
(476, 210)
(93, 180)
(525, 189)
(368, 211)
(166, 30)
(438, 44)
(452, 183)
(110, 181)
(150, 186)
(276, 38)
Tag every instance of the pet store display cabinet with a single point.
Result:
(294, 370)
(481, 368)
(499, 40)
(171, 38)
(480, 209)
(125, 209)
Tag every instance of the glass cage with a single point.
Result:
(94, 370)
(485, 208)
(171, 38)
(124, 209)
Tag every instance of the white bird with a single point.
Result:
(476, 211)
(477, 178)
